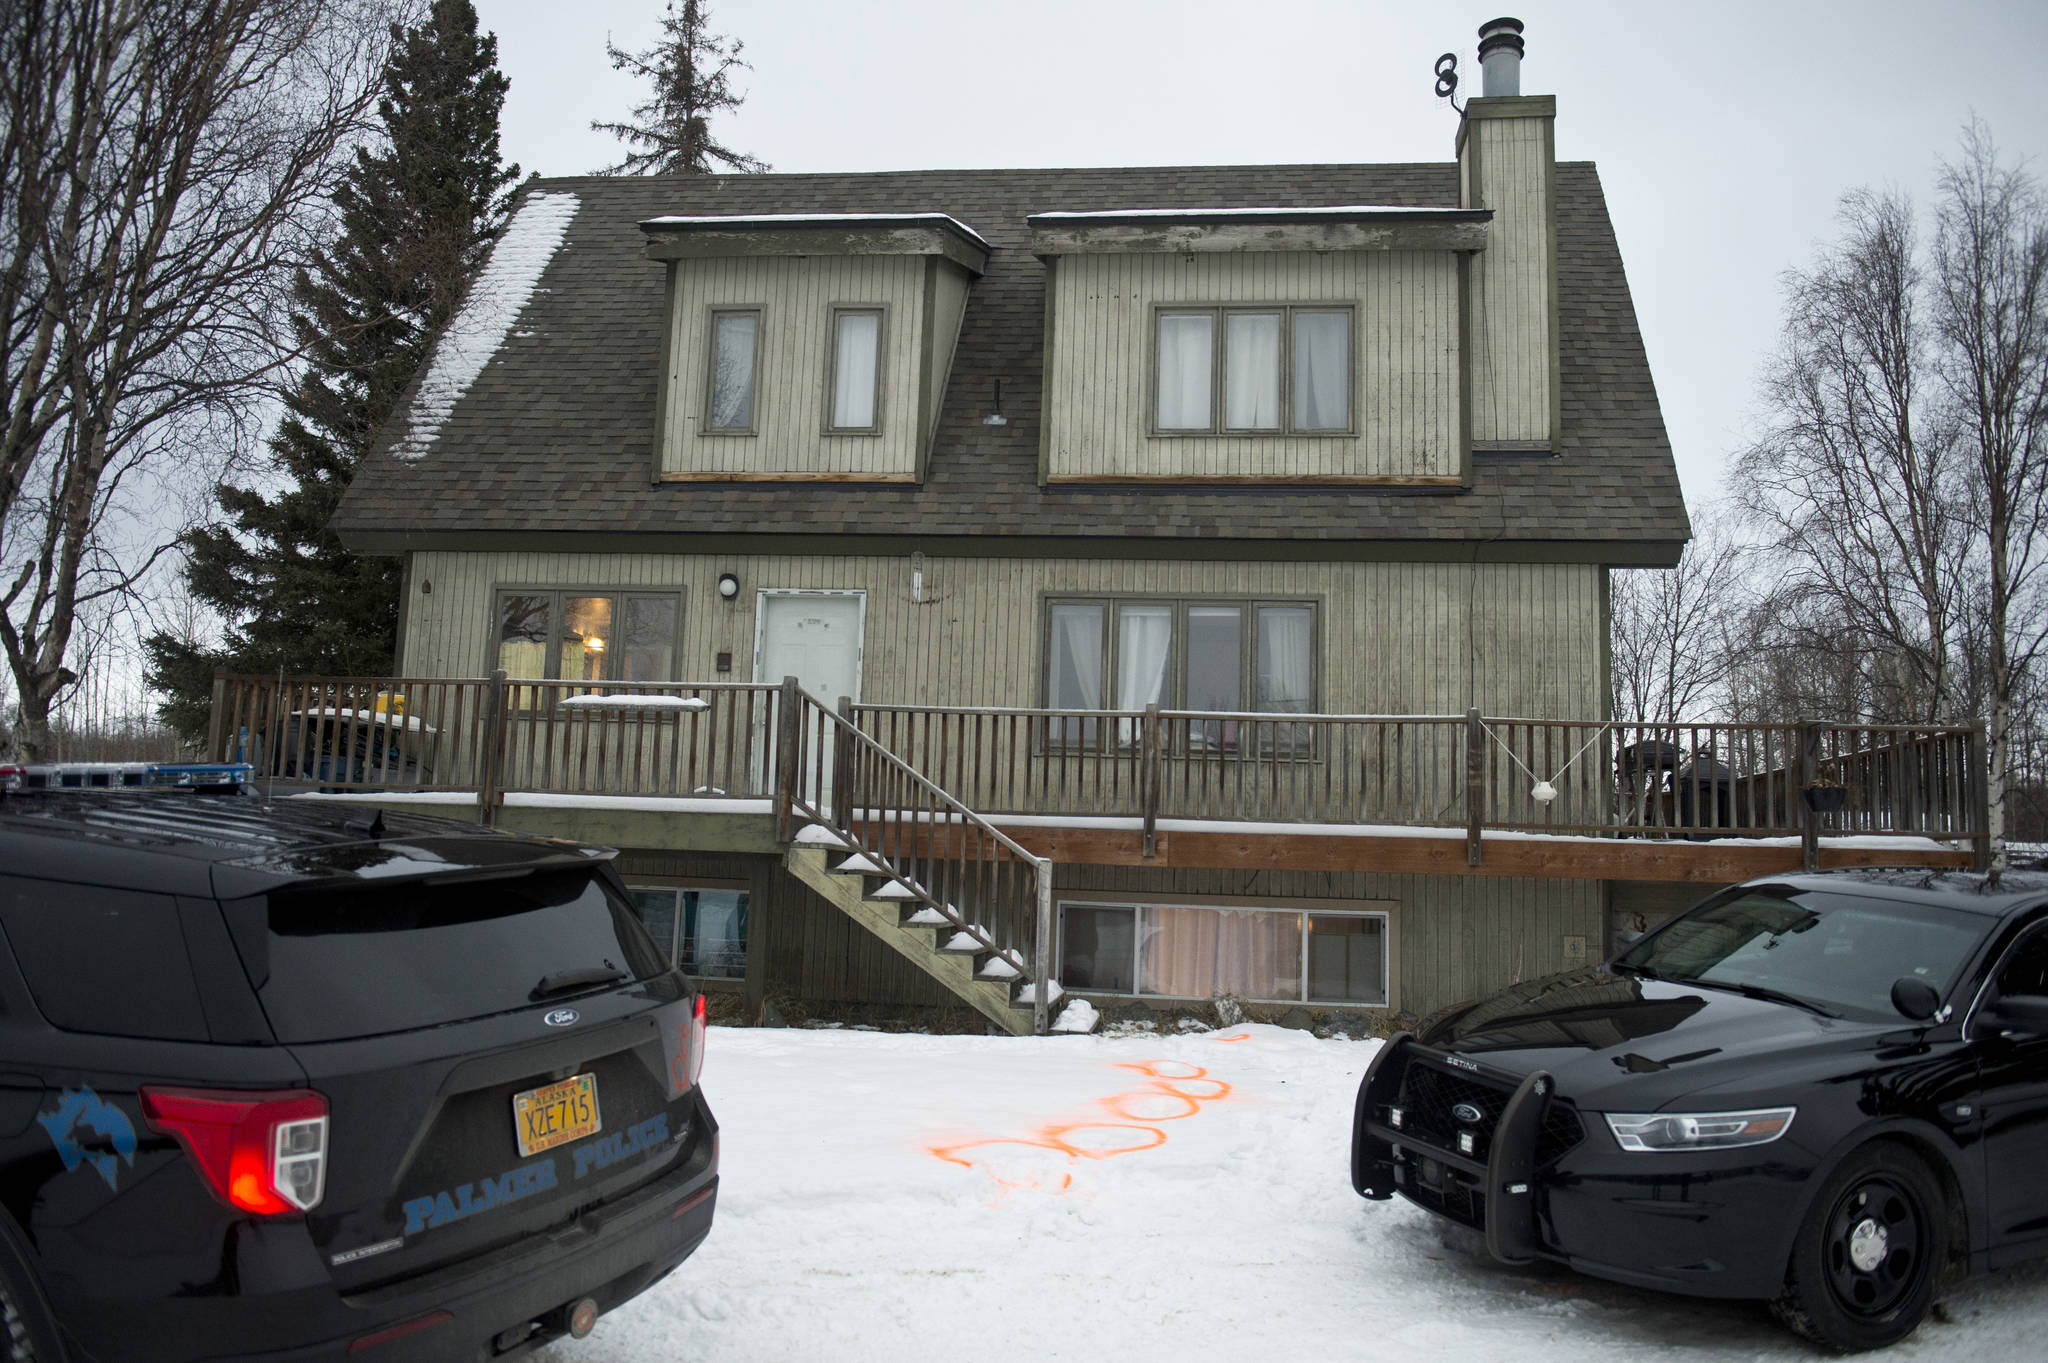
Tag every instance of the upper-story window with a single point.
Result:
(1181, 655)
(1252, 369)
(853, 386)
(735, 369)
(588, 635)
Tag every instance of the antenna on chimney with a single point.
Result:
(1447, 79)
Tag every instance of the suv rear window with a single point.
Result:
(373, 958)
(103, 960)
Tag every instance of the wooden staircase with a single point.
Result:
(936, 938)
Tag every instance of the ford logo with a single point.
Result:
(562, 1017)
(1467, 1113)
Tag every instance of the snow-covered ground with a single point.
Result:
(903, 1198)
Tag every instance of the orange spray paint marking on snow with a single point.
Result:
(1044, 1160)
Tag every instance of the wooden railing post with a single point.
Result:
(496, 730)
(214, 752)
(1149, 779)
(842, 763)
(1041, 1003)
(788, 757)
(1809, 770)
(1475, 785)
(1976, 754)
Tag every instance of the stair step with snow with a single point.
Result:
(860, 864)
(964, 943)
(895, 889)
(1026, 994)
(928, 917)
(883, 916)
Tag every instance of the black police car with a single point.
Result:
(1825, 1091)
(291, 1081)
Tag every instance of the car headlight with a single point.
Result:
(1699, 1130)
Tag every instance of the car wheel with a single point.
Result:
(27, 1334)
(1869, 1255)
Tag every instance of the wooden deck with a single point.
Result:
(1703, 803)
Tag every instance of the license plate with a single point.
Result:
(546, 1117)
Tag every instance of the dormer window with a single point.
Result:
(735, 361)
(821, 326)
(1269, 369)
(855, 381)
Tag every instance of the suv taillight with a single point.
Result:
(259, 1152)
(696, 1040)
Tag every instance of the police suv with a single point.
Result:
(296, 1080)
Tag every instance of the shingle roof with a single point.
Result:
(555, 437)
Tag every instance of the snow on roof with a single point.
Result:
(495, 301)
(813, 220)
(1335, 213)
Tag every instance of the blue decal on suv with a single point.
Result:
(111, 1134)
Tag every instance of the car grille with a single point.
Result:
(1428, 1094)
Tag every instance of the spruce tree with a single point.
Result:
(416, 215)
(691, 69)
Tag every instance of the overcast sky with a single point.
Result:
(1724, 132)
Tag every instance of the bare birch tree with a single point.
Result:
(1991, 312)
(163, 170)
(1856, 484)
(1671, 630)
(1902, 485)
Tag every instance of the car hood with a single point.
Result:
(1623, 1043)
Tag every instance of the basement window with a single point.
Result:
(1199, 951)
(698, 926)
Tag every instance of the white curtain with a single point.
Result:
(853, 370)
(1075, 668)
(1144, 645)
(1322, 371)
(1251, 371)
(1186, 355)
(1286, 673)
(732, 371)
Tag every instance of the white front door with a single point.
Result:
(816, 638)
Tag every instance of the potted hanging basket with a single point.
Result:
(1827, 794)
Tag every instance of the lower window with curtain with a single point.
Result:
(1277, 954)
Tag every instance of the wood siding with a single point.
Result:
(796, 296)
(1452, 938)
(1513, 281)
(1405, 358)
(1395, 638)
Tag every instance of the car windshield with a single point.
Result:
(1839, 953)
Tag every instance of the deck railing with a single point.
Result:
(1471, 772)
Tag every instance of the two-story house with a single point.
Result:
(1042, 449)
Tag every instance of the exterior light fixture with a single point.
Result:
(593, 644)
(728, 586)
(1543, 792)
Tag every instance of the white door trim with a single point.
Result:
(761, 631)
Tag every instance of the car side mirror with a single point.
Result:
(1915, 998)
(2023, 1015)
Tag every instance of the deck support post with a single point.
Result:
(213, 717)
(1475, 785)
(1809, 770)
(1148, 779)
(788, 760)
(1041, 1005)
(1977, 787)
(490, 794)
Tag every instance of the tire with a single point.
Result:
(1869, 1255)
(27, 1332)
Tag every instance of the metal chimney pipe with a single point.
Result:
(1500, 57)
